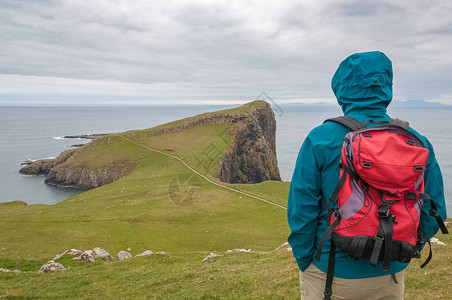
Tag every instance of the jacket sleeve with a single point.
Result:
(304, 205)
(434, 188)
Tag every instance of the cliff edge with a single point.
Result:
(252, 156)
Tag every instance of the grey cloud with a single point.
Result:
(215, 48)
(366, 9)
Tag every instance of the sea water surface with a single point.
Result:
(30, 133)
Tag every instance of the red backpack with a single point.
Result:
(380, 195)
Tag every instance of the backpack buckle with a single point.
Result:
(367, 164)
(376, 237)
(418, 168)
(327, 293)
(411, 196)
(383, 211)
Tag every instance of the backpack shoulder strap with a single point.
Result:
(400, 123)
(348, 122)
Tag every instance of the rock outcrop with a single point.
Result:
(250, 158)
(211, 255)
(44, 166)
(88, 256)
(84, 177)
(85, 136)
(68, 252)
(145, 253)
(51, 266)
(102, 253)
(122, 255)
(436, 241)
(9, 271)
(240, 250)
(60, 172)
(285, 247)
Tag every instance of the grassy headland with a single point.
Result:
(151, 208)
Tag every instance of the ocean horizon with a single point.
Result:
(36, 132)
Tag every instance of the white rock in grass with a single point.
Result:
(240, 250)
(86, 256)
(436, 241)
(102, 253)
(123, 255)
(211, 255)
(74, 252)
(145, 253)
(161, 252)
(7, 271)
(51, 266)
(59, 255)
(284, 245)
(68, 252)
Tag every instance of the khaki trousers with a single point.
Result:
(312, 283)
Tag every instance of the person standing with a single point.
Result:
(363, 87)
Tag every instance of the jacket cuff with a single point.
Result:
(303, 264)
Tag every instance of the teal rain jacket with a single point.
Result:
(363, 87)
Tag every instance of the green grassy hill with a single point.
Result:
(162, 205)
(147, 209)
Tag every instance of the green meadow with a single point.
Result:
(163, 206)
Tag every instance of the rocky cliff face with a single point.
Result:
(59, 173)
(251, 158)
(43, 167)
(87, 178)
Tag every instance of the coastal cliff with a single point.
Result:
(249, 158)
(43, 167)
(95, 164)
(252, 156)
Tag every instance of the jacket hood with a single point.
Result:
(363, 83)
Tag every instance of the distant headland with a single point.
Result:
(249, 156)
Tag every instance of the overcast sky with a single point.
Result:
(210, 52)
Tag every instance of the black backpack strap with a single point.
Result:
(384, 234)
(330, 272)
(423, 238)
(347, 121)
(327, 234)
(433, 212)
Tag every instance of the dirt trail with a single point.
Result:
(203, 176)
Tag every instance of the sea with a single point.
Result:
(36, 132)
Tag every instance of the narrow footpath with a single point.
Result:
(203, 176)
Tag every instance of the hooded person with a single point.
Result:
(363, 87)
